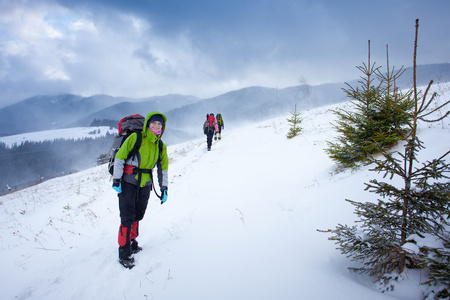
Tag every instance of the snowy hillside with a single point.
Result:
(50, 135)
(240, 223)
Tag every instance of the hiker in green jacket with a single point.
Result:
(132, 179)
(220, 127)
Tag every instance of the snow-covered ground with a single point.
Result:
(240, 223)
(50, 135)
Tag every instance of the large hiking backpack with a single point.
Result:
(128, 125)
(219, 120)
(210, 122)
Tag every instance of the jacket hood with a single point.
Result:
(146, 130)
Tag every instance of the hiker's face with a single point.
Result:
(155, 126)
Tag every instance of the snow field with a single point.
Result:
(240, 223)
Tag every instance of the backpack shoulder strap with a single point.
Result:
(160, 146)
(137, 145)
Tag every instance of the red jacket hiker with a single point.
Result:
(209, 128)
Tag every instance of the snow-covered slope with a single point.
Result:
(240, 223)
(50, 135)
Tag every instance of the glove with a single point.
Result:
(117, 186)
(163, 194)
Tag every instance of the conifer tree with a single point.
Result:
(438, 262)
(388, 229)
(295, 122)
(374, 123)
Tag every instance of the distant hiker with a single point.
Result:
(220, 126)
(132, 179)
(209, 128)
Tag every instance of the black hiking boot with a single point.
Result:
(135, 247)
(125, 258)
(127, 263)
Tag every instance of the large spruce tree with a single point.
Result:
(374, 122)
(391, 235)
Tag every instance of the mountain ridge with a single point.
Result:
(186, 112)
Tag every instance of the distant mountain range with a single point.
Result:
(186, 114)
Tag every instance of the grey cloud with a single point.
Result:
(204, 48)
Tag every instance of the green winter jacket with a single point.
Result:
(147, 157)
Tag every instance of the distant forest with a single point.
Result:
(31, 160)
(105, 122)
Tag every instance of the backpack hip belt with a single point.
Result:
(129, 169)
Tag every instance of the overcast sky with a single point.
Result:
(141, 48)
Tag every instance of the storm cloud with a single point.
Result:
(205, 48)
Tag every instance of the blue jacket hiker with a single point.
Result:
(132, 179)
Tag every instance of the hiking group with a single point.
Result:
(213, 128)
(135, 152)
